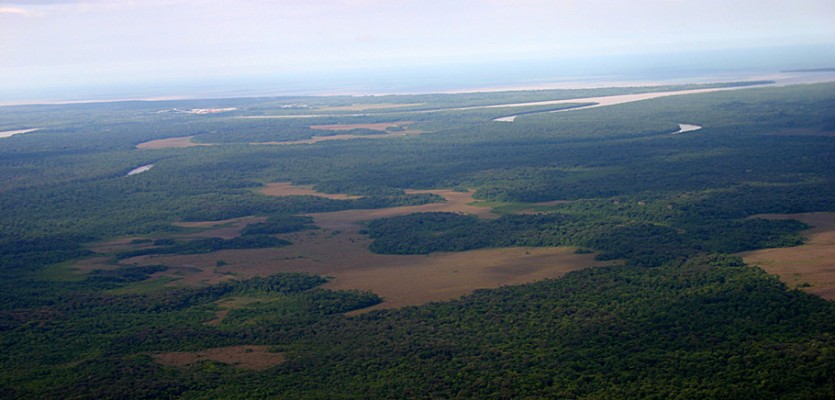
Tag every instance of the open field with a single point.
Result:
(382, 126)
(503, 208)
(810, 266)
(338, 250)
(457, 202)
(415, 280)
(400, 280)
(170, 143)
(247, 357)
(288, 189)
(224, 229)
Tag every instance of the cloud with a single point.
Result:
(13, 10)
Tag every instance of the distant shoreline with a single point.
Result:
(781, 78)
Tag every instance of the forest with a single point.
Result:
(98, 266)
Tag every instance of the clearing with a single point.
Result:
(457, 202)
(288, 189)
(224, 229)
(338, 250)
(247, 357)
(170, 143)
(811, 266)
(400, 280)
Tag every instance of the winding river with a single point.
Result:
(6, 134)
(682, 128)
(140, 170)
(606, 101)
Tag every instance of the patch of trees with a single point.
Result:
(614, 151)
(277, 316)
(747, 200)
(18, 253)
(123, 275)
(707, 328)
(733, 236)
(208, 245)
(100, 331)
(232, 207)
(614, 236)
(423, 233)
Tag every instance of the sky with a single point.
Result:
(48, 44)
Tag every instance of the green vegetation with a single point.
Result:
(709, 328)
(680, 318)
(611, 230)
(249, 241)
(123, 274)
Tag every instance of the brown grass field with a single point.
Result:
(811, 266)
(340, 252)
(382, 126)
(247, 357)
(224, 229)
(288, 189)
(458, 202)
(170, 143)
(400, 280)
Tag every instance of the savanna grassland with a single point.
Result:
(415, 247)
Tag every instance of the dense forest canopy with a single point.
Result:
(673, 314)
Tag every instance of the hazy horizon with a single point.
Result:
(103, 49)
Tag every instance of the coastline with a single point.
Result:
(780, 78)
